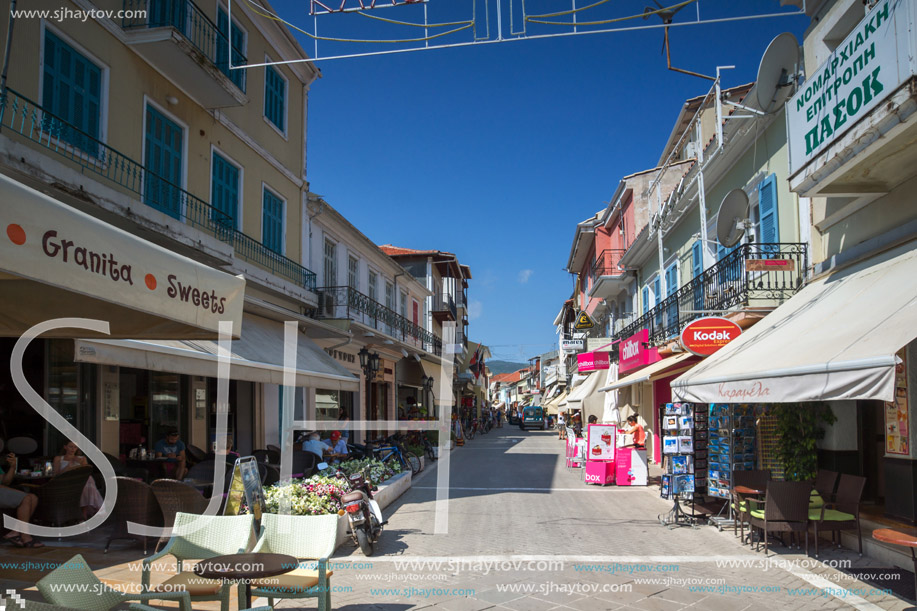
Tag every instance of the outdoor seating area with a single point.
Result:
(829, 503)
(199, 566)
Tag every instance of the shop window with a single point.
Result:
(330, 404)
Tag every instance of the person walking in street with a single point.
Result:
(561, 426)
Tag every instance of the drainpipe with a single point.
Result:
(9, 44)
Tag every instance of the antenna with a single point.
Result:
(732, 218)
(667, 14)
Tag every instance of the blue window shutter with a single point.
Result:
(164, 152)
(272, 222)
(232, 41)
(671, 279)
(274, 97)
(646, 299)
(225, 188)
(657, 290)
(697, 259)
(73, 92)
(767, 211)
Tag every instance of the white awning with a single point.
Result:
(57, 262)
(256, 357)
(835, 339)
(650, 372)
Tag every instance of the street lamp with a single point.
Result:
(369, 363)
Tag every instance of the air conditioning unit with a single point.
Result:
(326, 305)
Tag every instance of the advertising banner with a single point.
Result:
(592, 361)
(600, 441)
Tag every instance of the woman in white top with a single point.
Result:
(561, 426)
(91, 499)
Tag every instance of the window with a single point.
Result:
(275, 98)
(671, 279)
(373, 279)
(72, 91)
(331, 271)
(404, 305)
(224, 190)
(233, 38)
(697, 268)
(163, 157)
(657, 290)
(272, 221)
(353, 272)
(769, 232)
(389, 300)
(645, 296)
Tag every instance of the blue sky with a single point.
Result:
(496, 151)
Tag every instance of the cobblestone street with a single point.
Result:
(525, 533)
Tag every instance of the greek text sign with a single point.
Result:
(862, 71)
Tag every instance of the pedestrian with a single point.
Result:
(637, 431)
(561, 426)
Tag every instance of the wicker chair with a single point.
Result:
(267, 456)
(136, 503)
(786, 509)
(755, 479)
(844, 512)
(195, 453)
(271, 475)
(825, 484)
(306, 538)
(175, 496)
(207, 537)
(273, 449)
(57, 588)
(59, 499)
(304, 463)
(124, 471)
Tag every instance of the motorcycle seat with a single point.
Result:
(352, 496)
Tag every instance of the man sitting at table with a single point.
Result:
(173, 448)
(337, 444)
(314, 444)
(22, 502)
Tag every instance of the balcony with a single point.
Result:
(608, 280)
(755, 275)
(346, 303)
(179, 40)
(444, 308)
(29, 121)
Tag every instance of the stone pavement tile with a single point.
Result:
(680, 594)
(497, 597)
(527, 604)
(655, 603)
(721, 603)
(590, 604)
(558, 597)
(465, 604)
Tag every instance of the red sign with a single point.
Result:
(705, 336)
(635, 354)
(592, 361)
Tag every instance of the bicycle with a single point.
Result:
(406, 460)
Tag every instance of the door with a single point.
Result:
(164, 153)
(697, 269)
(671, 287)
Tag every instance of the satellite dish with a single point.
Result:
(777, 72)
(730, 220)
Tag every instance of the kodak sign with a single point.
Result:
(705, 336)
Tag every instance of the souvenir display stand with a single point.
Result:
(600, 454)
(731, 448)
(684, 445)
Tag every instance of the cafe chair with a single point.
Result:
(273, 448)
(57, 588)
(786, 509)
(267, 456)
(206, 537)
(124, 471)
(825, 484)
(304, 463)
(59, 499)
(175, 496)
(135, 503)
(309, 538)
(755, 479)
(843, 513)
(195, 453)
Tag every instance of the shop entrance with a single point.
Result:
(871, 417)
(150, 403)
(378, 406)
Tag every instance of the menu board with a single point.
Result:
(246, 482)
(600, 441)
(897, 418)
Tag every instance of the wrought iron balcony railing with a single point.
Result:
(22, 116)
(445, 303)
(606, 263)
(188, 18)
(347, 303)
(777, 272)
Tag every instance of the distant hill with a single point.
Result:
(504, 366)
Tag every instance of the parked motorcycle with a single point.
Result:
(363, 513)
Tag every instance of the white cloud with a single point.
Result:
(524, 275)
(475, 309)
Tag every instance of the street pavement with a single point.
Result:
(524, 532)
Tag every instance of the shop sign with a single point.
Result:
(862, 71)
(594, 344)
(770, 265)
(635, 354)
(897, 420)
(592, 361)
(570, 346)
(583, 321)
(705, 336)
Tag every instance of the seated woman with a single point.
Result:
(22, 502)
(70, 458)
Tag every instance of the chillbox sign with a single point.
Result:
(864, 69)
(592, 361)
(705, 336)
(634, 352)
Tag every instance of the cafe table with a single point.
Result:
(244, 568)
(895, 537)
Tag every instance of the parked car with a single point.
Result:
(532, 418)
